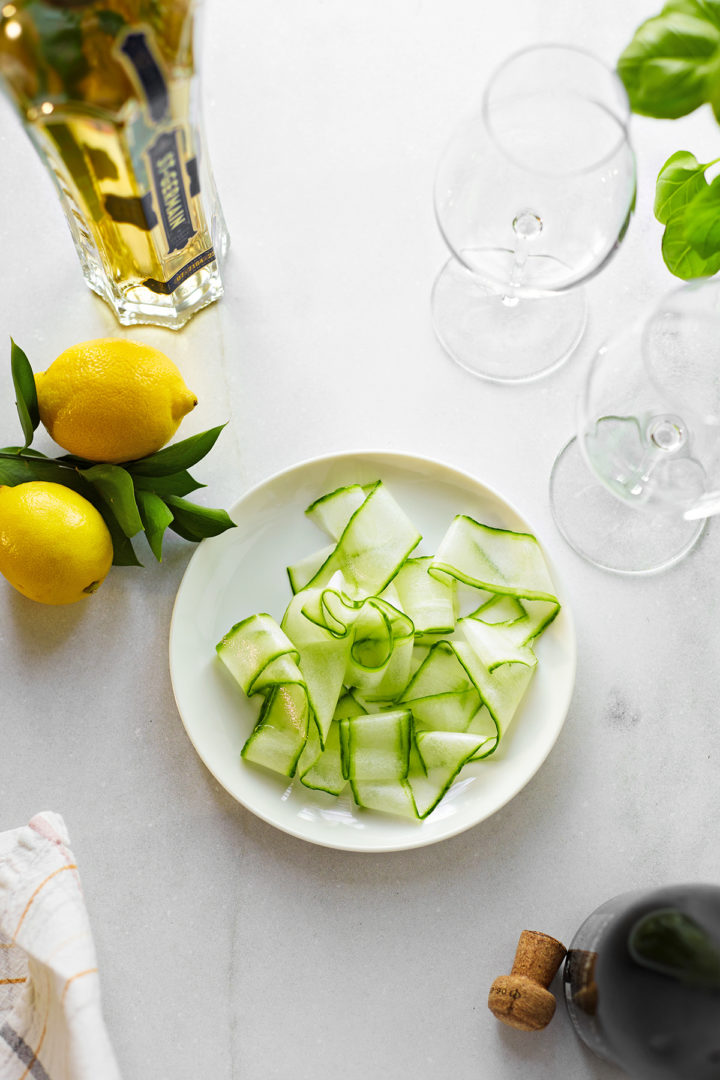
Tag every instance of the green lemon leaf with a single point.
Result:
(179, 483)
(25, 394)
(681, 258)
(197, 522)
(21, 472)
(26, 451)
(123, 551)
(670, 67)
(18, 465)
(679, 180)
(702, 221)
(14, 471)
(24, 454)
(115, 486)
(178, 456)
(74, 460)
(156, 516)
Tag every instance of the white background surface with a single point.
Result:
(226, 948)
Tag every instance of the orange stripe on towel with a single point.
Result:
(77, 975)
(70, 866)
(9, 982)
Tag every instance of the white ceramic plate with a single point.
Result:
(242, 572)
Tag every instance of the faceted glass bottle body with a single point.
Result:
(107, 90)
(642, 983)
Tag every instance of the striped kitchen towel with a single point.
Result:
(51, 1023)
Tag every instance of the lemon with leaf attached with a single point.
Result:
(54, 545)
(112, 399)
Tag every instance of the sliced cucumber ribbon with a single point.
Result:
(373, 680)
(259, 654)
(501, 562)
(372, 547)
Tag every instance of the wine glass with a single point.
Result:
(649, 431)
(532, 196)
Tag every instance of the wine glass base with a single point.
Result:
(606, 531)
(499, 341)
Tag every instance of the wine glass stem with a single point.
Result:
(526, 226)
(666, 436)
(517, 270)
(640, 476)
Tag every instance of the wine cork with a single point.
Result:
(522, 999)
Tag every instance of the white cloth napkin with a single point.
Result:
(51, 1023)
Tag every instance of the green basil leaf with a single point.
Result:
(178, 456)
(25, 394)
(115, 486)
(670, 66)
(179, 483)
(156, 517)
(681, 258)
(702, 221)
(701, 9)
(679, 180)
(197, 522)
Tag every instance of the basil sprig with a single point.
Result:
(670, 68)
(142, 496)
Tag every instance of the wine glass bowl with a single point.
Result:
(648, 439)
(532, 195)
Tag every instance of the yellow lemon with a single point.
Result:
(112, 400)
(54, 545)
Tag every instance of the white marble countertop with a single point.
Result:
(226, 947)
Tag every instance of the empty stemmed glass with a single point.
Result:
(632, 492)
(532, 196)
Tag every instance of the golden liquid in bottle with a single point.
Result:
(106, 90)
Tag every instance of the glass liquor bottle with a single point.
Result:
(108, 93)
(642, 983)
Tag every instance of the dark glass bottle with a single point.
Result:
(642, 983)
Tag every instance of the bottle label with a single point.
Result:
(148, 73)
(170, 193)
(174, 182)
(190, 268)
